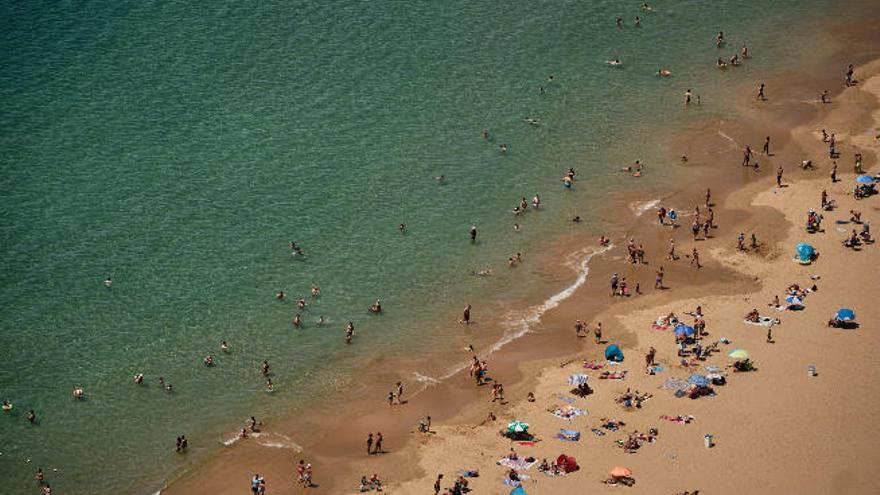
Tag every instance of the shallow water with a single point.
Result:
(178, 149)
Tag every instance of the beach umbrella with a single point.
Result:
(793, 300)
(699, 380)
(738, 354)
(620, 471)
(578, 379)
(613, 353)
(517, 427)
(844, 314)
(805, 251)
(518, 491)
(682, 329)
(865, 179)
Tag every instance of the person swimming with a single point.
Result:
(224, 347)
(532, 121)
(615, 62)
(108, 282)
(78, 392)
(297, 320)
(138, 378)
(376, 308)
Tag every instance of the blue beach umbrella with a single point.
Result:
(699, 380)
(805, 251)
(793, 300)
(682, 329)
(518, 491)
(865, 179)
(613, 353)
(845, 314)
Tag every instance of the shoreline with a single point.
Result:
(539, 342)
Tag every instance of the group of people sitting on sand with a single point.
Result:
(371, 484)
(631, 400)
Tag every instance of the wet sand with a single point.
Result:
(758, 412)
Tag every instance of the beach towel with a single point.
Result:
(593, 366)
(568, 412)
(764, 321)
(713, 369)
(598, 432)
(682, 420)
(469, 473)
(617, 375)
(675, 384)
(568, 435)
(659, 325)
(510, 482)
(527, 443)
(518, 464)
(567, 400)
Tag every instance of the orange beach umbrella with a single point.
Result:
(620, 471)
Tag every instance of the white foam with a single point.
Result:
(428, 380)
(640, 208)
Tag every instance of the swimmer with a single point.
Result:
(604, 241)
(744, 51)
(532, 121)
(647, 8)
(316, 291)
(209, 360)
(684, 159)
(270, 387)
(108, 282)
(224, 347)
(719, 39)
(138, 378)
(536, 202)
(485, 136)
(619, 21)
(482, 273)
(664, 72)
(401, 227)
(297, 320)
(301, 303)
(440, 179)
(516, 227)
(734, 60)
(31, 416)
(78, 393)
(720, 63)
(349, 332)
(264, 368)
(615, 62)
(279, 295)
(502, 148)
(472, 233)
(7, 406)
(687, 97)
(321, 321)
(576, 219)
(551, 78)
(638, 21)
(376, 308)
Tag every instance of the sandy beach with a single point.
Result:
(778, 429)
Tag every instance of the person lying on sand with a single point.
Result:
(753, 316)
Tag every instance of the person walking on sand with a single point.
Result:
(761, 95)
(779, 176)
(597, 332)
(378, 443)
(614, 283)
(747, 156)
(695, 258)
(767, 146)
(671, 256)
(658, 281)
(834, 172)
(370, 443)
(649, 360)
(437, 484)
(399, 386)
(708, 197)
(578, 328)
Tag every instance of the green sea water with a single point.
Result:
(177, 147)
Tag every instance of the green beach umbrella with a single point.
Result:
(517, 427)
(739, 354)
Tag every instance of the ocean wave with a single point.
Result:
(639, 208)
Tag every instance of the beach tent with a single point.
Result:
(738, 354)
(865, 179)
(844, 314)
(684, 330)
(567, 463)
(613, 353)
(518, 491)
(517, 427)
(699, 380)
(805, 252)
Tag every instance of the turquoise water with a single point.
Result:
(178, 149)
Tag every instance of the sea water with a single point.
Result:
(178, 147)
